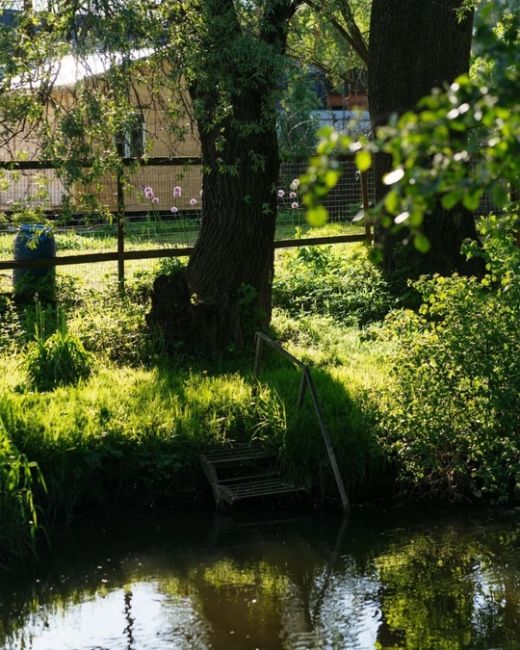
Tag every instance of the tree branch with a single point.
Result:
(275, 21)
(351, 33)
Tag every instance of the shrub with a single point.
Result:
(11, 329)
(320, 280)
(59, 359)
(113, 328)
(453, 413)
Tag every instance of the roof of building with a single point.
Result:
(70, 69)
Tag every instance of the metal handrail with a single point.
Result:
(306, 382)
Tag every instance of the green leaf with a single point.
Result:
(421, 243)
(450, 200)
(363, 160)
(471, 200)
(392, 202)
(499, 196)
(317, 216)
(375, 255)
(325, 132)
(330, 178)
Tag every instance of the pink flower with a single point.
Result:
(148, 192)
(174, 209)
(295, 205)
(177, 191)
(292, 195)
(280, 194)
(193, 202)
(295, 184)
(155, 199)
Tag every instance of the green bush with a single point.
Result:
(57, 360)
(327, 281)
(452, 416)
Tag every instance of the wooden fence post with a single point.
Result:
(120, 233)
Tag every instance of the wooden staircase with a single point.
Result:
(243, 471)
(248, 471)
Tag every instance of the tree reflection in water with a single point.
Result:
(384, 580)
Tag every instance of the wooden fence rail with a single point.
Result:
(91, 258)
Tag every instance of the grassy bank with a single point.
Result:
(129, 432)
(425, 401)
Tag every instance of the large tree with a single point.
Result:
(230, 56)
(415, 46)
(233, 73)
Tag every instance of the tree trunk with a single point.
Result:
(230, 272)
(225, 293)
(415, 46)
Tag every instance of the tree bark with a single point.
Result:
(225, 293)
(415, 46)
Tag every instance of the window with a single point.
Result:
(130, 142)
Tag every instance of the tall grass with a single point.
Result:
(131, 436)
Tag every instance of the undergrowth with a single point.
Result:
(327, 280)
(451, 414)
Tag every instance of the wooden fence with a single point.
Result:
(359, 194)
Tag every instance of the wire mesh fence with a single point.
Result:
(162, 206)
(150, 208)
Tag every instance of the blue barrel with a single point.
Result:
(34, 241)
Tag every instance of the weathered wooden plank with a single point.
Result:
(254, 480)
(232, 494)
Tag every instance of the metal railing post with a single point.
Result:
(328, 443)
(366, 207)
(306, 381)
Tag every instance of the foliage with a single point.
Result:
(130, 437)
(331, 35)
(130, 432)
(326, 280)
(18, 515)
(451, 417)
(347, 365)
(295, 125)
(430, 149)
(113, 327)
(55, 360)
(10, 324)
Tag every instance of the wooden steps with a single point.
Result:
(244, 471)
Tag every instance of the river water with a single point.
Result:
(384, 579)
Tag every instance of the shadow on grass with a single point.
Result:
(294, 435)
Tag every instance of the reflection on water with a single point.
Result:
(386, 580)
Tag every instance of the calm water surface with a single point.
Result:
(384, 580)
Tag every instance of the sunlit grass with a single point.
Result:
(131, 433)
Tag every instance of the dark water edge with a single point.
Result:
(385, 578)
